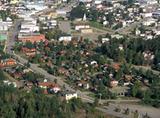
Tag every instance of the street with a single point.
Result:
(13, 32)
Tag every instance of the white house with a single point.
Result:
(117, 36)
(62, 12)
(96, 2)
(86, 30)
(93, 62)
(55, 89)
(156, 30)
(70, 95)
(137, 32)
(113, 83)
(149, 21)
(29, 27)
(146, 15)
(105, 23)
(105, 40)
(65, 38)
(121, 47)
(81, 26)
(5, 25)
(52, 24)
(149, 37)
(147, 2)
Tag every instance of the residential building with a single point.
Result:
(70, 95)
(36, 38)
(7, 62)
(65, 38)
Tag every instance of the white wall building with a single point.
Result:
(83, 26)
(69, 96)
(65, 38)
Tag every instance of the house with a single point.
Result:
(51, 24)
(147, 15)
(63, 71)
(17, 75)
(28, 51)
(65, 38)
(116, 66)
(113, 83)
(117, 36)
(147, 2)
(86, 31)
(149, 37)
(121, 47)
(105, 40)
(44, 85)
(61, 12)
(49, 85)
(105, 23)
(149, 22)
(156, 31)
(32, 38)
(93, 62)
(148, 55)
(55, 88)
(70, 95)
(137, 32)
(127, 78)
(80, 26)
(156, 14)
(8, 62)
(4, 26)
(14, 1)
(146, 81)
(27, 70)
(83, 84)
(29, 27)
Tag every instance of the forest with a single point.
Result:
(133, 51)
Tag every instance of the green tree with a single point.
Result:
(77, 12)
(2, 76)
(135, 88)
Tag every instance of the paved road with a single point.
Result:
(142, 110)
(12, 34)
(146, 68)
(124, 30)
(151, 111)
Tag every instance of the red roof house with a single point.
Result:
(33, 38)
